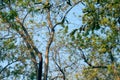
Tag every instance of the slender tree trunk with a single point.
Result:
(51, 29)
(47, 55)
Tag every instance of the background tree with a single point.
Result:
(76, 39)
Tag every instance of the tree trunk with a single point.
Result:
(48, 44)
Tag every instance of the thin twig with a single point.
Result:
(7, 66)
(63, 19)
(86, 60)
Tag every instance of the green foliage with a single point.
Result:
(13, 14)
(15, 26)
(8, 16)
(9, 44)
(66, 29)
(99, 37)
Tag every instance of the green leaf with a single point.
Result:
(15, 26)
(11, 46)
(73, 32)
(66, 29)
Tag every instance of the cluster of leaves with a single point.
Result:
(14, 62)
(99, 36)
(8, 16)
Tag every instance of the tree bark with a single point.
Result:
(33, 49)
(48, 44)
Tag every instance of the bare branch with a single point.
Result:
(25, 16)
(7, 66)
(27, 36)
(63, 19)
(61, 70)
(86, 60)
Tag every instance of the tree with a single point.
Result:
(30, 31)
(98, 39)
(17, 17)
(10, 18)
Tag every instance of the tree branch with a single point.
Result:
(31, 47)
(61, 70)
(7, 66)
(25, 16)
(63, 19)
(86, 60)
